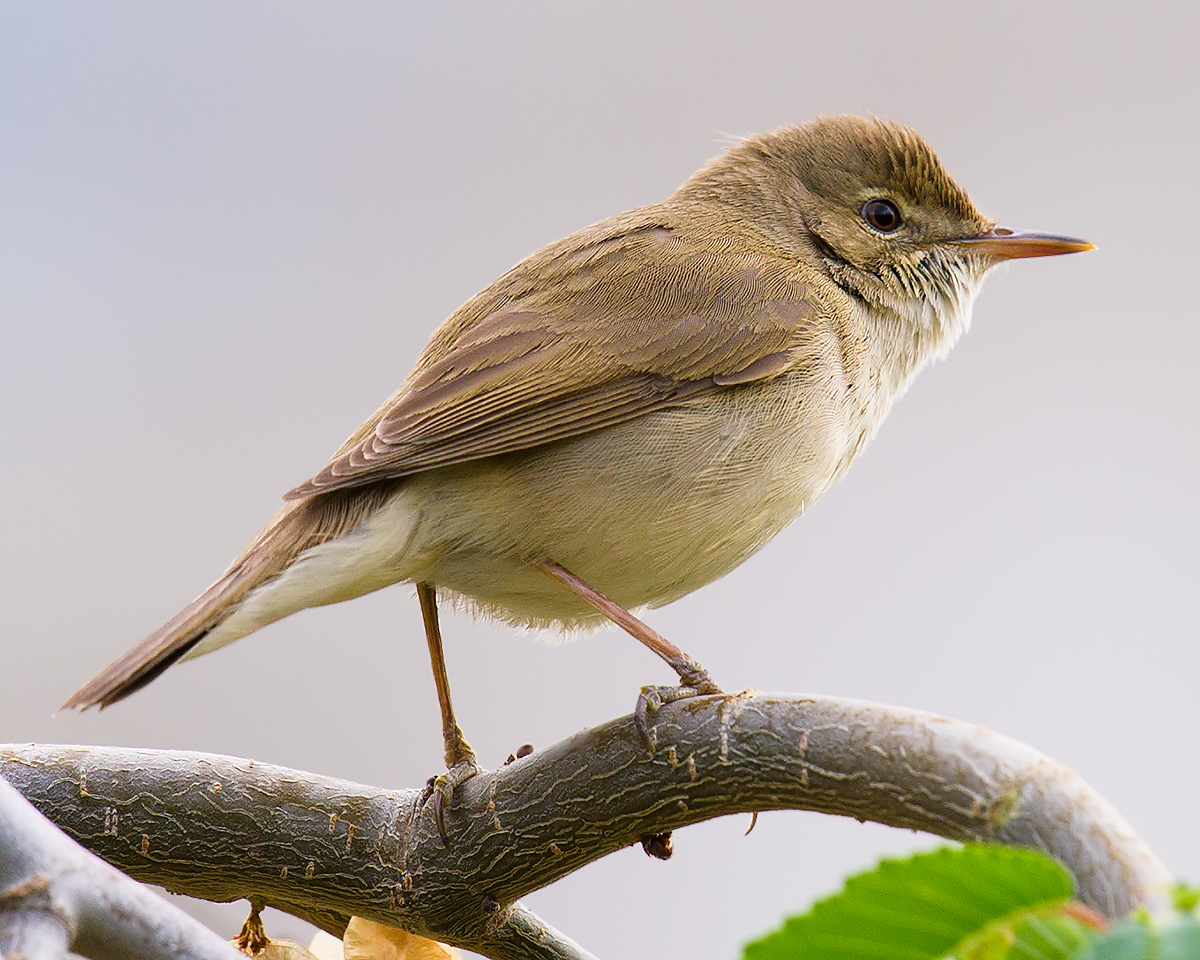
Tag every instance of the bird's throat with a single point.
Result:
(916, 316)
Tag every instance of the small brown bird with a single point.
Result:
(631, 412)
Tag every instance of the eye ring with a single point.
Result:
(881, 215)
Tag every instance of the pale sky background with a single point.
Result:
(227, 228)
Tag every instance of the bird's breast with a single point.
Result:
(646, 512)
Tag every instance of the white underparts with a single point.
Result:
(372, 557)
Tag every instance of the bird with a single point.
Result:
(631, 412)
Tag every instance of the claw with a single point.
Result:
(439, 792)
(440, 802)
(648, 701)
(652, 699)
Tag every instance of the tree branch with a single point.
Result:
(322, 849)
(54, 895)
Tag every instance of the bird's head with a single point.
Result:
(869, 204)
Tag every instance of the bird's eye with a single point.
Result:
(881, 215)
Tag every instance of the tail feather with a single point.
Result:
(300, 526)
(270, 552)
(141, 664)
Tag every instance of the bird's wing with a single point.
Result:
(621, 331)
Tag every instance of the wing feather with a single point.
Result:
(626, 336)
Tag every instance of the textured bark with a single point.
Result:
(56, 896)
(322, 849)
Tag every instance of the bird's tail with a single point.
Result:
(141, 664)
(299, 526)
(272, 550)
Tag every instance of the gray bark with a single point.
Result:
(223, 829)
(55, 897)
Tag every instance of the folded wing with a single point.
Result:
(637, 323)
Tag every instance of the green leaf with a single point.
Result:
(920, 908)
(1185, 898)
(1049, 933)
(1173, 937)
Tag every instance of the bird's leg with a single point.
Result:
(691, 674)
(694, 679)
(460, 758)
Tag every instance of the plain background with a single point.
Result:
(227, 228)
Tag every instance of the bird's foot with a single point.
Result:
(695, 683)
(439, 791)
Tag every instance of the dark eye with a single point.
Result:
(882, 215)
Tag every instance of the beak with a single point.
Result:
(1004, 244)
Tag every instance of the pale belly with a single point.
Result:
(645, 512)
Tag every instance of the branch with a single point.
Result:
(323, 849)
(54, 895)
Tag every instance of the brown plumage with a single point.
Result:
(299, 526)
(645, 402)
